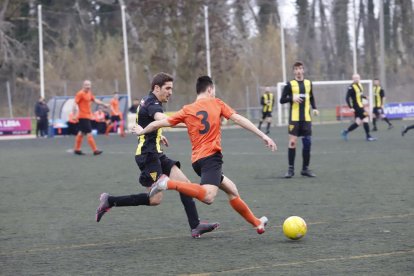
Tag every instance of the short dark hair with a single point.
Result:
(203, 83)
(160, 79)
(297, 64)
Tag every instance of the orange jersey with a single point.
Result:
(84, 100)
(115, 107)
(203, 120)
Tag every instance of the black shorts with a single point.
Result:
(115, 118)
(266, 114)
(85, 126)
(360, 113)
(152, 165)
(378, 111)
(210, 169)
(300, 128)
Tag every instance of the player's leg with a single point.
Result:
(374, 119)
(384, 118)
(293, 137)
(365, 121)
(269, 122)
(83, 129)
(240, 206)
(261, 120)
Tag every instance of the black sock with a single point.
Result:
(129, 200)
(190, 210)
(374, 122)
(366, 128)
(306, 159)
(408, 128)
(387, 121)
(291, 156)
(260, 125)
(268, 127)
(352, 127)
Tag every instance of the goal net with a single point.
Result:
(329, 99)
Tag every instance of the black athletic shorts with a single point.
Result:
(300, 128)
(378, 111)
(360, 113)
(85, 126)
(266, 114)
(210, 169)
(152, 165)
(115, 118)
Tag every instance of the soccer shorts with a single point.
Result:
(300, 128)
(115, 118)
(85, 126)
(360, 113)
(210, 169)
(266, 114)
(378, 111)
(152, 165)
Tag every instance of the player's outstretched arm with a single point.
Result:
(151, 127)
(247, 124)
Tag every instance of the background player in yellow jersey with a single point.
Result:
(354, 98)
(267, 101)
(298, 92)
(378, 110)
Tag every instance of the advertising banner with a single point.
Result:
(399, 110)
(15, 126)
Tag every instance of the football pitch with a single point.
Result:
(359, 209)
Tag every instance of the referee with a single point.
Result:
(298, 92)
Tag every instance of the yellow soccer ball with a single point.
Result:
(294, 227)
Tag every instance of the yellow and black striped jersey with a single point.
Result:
(299, 112)
(355, 95)
(267, 101)
(379, 95)
(146, 110)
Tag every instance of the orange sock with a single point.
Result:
(189, 189)
(92, 143)
(241, 207)
(121, 127)
(78, 141)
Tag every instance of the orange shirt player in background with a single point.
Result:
(116, 116)
(84, 99)
(203, 118)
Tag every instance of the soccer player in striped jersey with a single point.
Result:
(378, 110)
(267, 101)
(298, 92)
(354, 98)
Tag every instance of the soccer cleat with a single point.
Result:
(261, 227)
(103, 206)
(307, 173)
(203, 228)
(371, 139)
(390, 126)
(267, 132)
(97, 152)
(159, 185)
(290, 173)
(78, 152)
(375, 129)
(403, 130)
(344, 135)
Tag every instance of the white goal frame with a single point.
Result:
(283, 116)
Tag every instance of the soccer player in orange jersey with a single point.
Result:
(116, 116)
(83, 100)
(202, 119)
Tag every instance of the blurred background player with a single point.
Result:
(354, 98)
(378, 110)
(42, 122)
(203, 121)
(152, 162)
(116, 116)
(298, 92)
(134, 106)
(267, 101)
(100, 117)
(83, 101)
(73, 123)
(405, 129)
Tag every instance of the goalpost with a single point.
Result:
(330, 101)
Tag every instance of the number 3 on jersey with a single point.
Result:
(206, 124)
